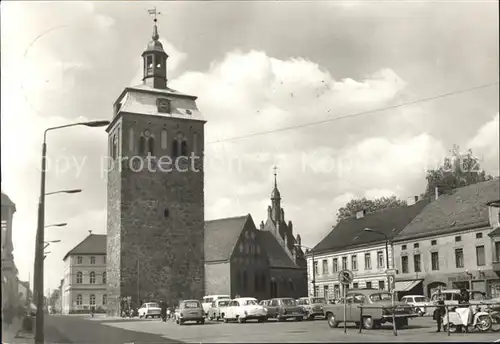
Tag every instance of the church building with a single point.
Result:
(263, 263)
(155, 210)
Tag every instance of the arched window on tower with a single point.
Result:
(164, 139)
(175, 149)
(149, 65)
(131, 139)
(195, 144)
(184, 148)
(151, 146)
(142, 145)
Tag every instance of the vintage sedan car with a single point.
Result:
(372, 317)
(209, 299)
(284, 308)
(452, 296)
(418, 302)
(243, 309)
(149, 309)
(313, 306)
(218, 309)
(190, 310)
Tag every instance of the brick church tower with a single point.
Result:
(155, 210)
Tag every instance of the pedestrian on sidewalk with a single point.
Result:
(439, 313)
(8, 317)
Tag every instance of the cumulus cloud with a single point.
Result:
(485, 145)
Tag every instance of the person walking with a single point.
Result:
(439, 312)
(163, 310)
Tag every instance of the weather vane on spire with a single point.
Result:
(154, 13)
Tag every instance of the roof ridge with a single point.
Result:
(228, 218)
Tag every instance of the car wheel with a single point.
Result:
(332, 322)
(280, 319)
(299, 318)
(311, 317)
(261, 320)
(202, 322)
(368, 323)
(225, 320)
(241, 320)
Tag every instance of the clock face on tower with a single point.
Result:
(163, 105)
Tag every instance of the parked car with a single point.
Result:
(284, 308)
(218, 309)
(207, 301)
(372, 317)
(149, 309)
(452, 296)
(313, 306)
(418, 302)
(189, 310)
(243, 309)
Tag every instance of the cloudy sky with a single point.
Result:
(256, 67)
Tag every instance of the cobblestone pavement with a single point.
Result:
(420, 329)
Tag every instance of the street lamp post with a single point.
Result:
(313, 267)
(40, 233)
(389, 287)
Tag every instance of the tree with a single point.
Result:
(457, 170)
(355, 205)
(54, 297)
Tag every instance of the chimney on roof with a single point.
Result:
(436, 192)
(360, 214)
(299, 240)
(261, 225)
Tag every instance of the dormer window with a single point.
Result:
(163, 105)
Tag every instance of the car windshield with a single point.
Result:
(421, 299)
(289, 302)
(224, 303)
(192, 304)
(152, 305)
(208, 299)
(318, 300)
(477, 295)
(250, 303)
(380, 297)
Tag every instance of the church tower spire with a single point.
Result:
(275, 201)
(155, 59)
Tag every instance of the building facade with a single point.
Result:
(84, 284)
(494, 209)
(350, 246)
(448, 244)
(155, 219)
(10, 295)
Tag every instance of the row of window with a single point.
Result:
(459, 259)
(336, 292)
(92, 300)
(354, 263)
(79, 259)
(458, 238)
(92, 277)
(146, 144)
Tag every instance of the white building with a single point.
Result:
(350, 246)
(448, 243)
(85, 283)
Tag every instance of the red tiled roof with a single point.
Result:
(222, 235)
(93, 244)
(351, 232)
(464, 208)
(276, 254)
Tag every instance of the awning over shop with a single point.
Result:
(406, 285)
